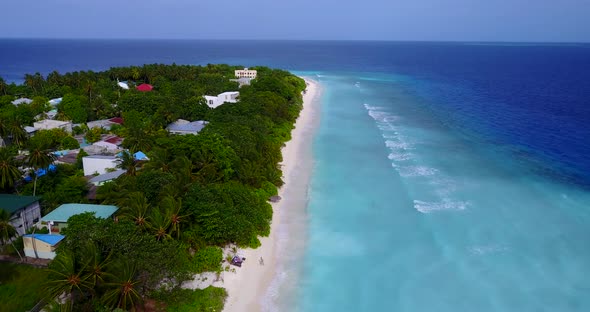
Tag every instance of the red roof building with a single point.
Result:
(117, 120)
(144, 87)
(114, 140)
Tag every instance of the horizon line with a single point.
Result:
(296, 40)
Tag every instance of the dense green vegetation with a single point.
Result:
(21, 286)
(195, 194)
(186, 300)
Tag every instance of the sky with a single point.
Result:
(415, 20)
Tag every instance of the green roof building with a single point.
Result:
(24, 211)
(58, 218)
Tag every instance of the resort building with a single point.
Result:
(22, 101)
(24, 211)
(98, 164)
(225, 97)
(41, 246)
(49, 124)
(58, 218)
(246, 73)
(182, 126)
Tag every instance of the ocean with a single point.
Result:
(447, 176)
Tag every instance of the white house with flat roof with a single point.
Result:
(49, 124)
(99, 164)
(246, 73)
(225, 97)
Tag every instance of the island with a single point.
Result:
(140, 187)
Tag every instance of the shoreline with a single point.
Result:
(249, 286)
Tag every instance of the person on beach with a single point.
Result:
(261, 261)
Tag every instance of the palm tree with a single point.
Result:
(7, 231)
(67, 277)
(159, 223)
(96, 265)
(39, 158)
(123, 287)
(30, 82)
(17, 134)
(9, 172)
(159, 160)
(136, 209)
(181, 167)
(173, 207)
(3, 86)
(129, 163)
(54, 78)
(135, 73)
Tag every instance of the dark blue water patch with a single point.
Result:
(533, 97)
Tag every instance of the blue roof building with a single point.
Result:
(41, 245)
(140, 156)
(58, 218)
(182, 126)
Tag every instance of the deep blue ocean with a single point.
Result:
(447, 176)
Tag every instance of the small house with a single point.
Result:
(110, 143)
(54, 102)
(107, 177)
(49, 124)
(225, 97)
(99, 164)
(182, 126)
(58, 218)
(41, 246)
(242, 81)
(24, 211)
(144, 87)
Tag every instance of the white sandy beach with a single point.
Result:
(247, 287)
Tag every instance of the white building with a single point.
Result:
(225, 97)
(48, 124)
(99, 164)
(54, 102)
(22, 101)
(246, 73)
(123, 85)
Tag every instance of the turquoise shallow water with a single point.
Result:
(409, 212)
